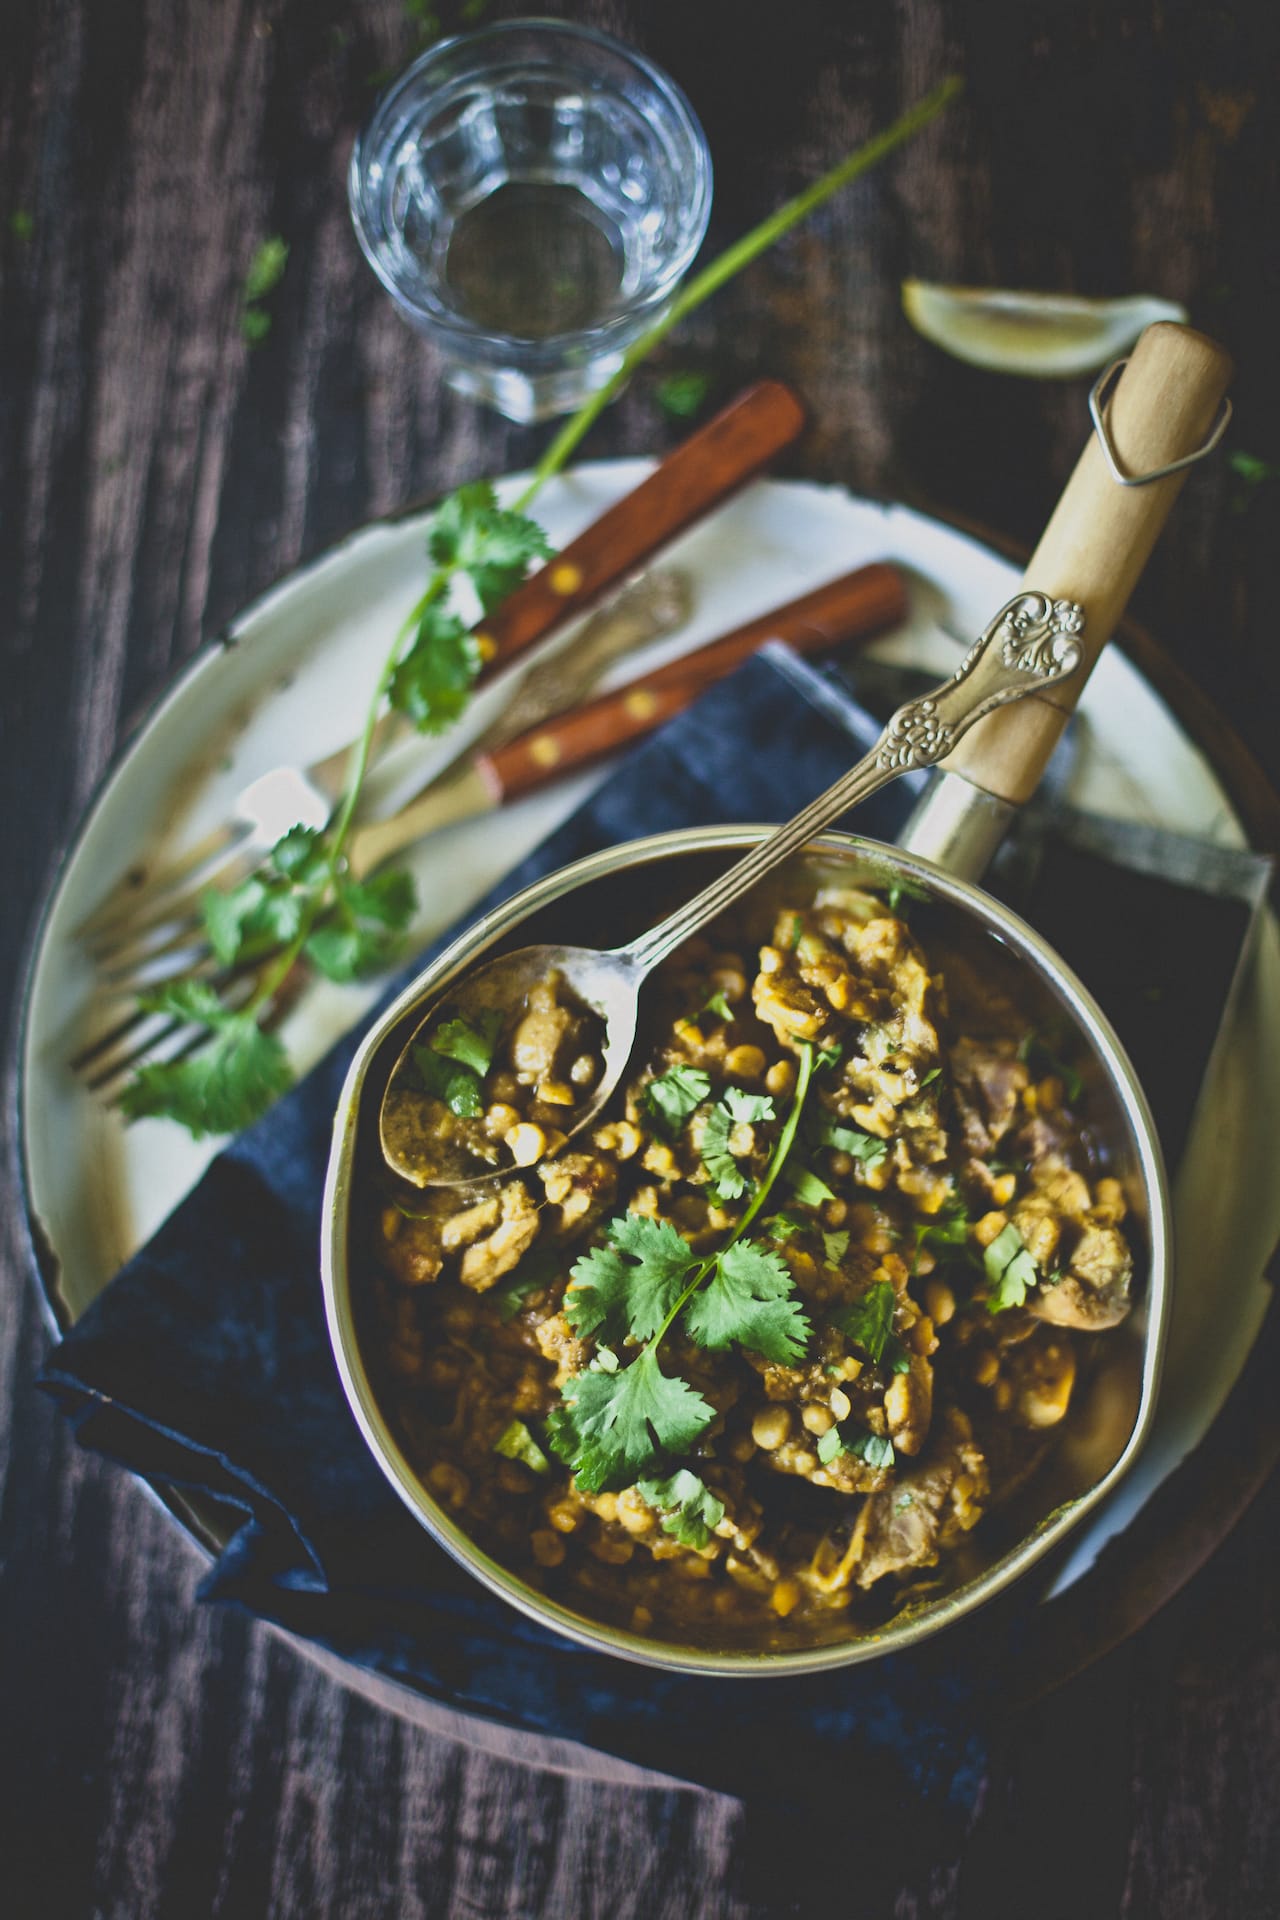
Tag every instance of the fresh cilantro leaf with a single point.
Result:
(794, 932)
(748, 1107)
(612, 1427)
(930, 1078)
(672, 1097)
(432, 683)
(834, 1247)
(747, 1300)
(871, 1447)
(300, 856)
(265, 269)
(471, 1042)
(869, 1324)
(511, 1298)
(628, 1288)
(866, 1147)
(444, 1080)
(781, 1226)
(809, 1189)
(686, 1507)
(227, 1084)
(828, 1057)
(728, 1181)
(1010, 1270)
(947, 1231)
(1035, 1055)
(718, 1005)
(682, 394)
(471, 532)
(517, 1443)
(361, 932)
(877, 1452)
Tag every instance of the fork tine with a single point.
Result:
(117, 947)
(139, 889)
(146, 1037)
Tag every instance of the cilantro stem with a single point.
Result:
(777, 1161)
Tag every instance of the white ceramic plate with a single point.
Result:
(294, 672)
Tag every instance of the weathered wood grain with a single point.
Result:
(159, 1758)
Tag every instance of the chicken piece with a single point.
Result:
(486, 1260)
(540, 1034)
(910, 1522)
(988, 1080)
(1093, 1293)
(908, 1406)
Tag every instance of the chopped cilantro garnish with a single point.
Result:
(1010, 1270)
(717, 1004)
(877, 1452)
(794, 932)
(672, 1097)
(903, 1501)
(866, 1147)
(470, 1042)
(809, 1189)
(947, 1231)
(457, 1086)
(930, 1078)
(834, 1247)
(686, 1507)
(781, 1226)
(517, 1443)
(682, 393)
(728, 1182)
(869, 1324)
(871, 1447)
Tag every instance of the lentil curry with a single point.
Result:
(748, 1365)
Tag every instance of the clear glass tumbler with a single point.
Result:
(530, 195)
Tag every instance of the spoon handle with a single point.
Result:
(1030, 645)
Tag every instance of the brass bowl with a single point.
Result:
(610, 897)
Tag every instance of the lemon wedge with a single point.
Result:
(1045, 336)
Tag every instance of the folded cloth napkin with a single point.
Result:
(206, 1365)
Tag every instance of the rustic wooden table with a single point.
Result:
(161, 1758)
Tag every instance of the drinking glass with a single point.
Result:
(530, 195)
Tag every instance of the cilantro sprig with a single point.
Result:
(615, 1422)
(427, 675)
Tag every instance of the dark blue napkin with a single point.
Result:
(206, 1365)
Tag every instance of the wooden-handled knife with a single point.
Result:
(853, 607)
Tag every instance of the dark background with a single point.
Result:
(160, 1758)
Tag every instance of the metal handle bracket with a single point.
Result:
(1098, 400)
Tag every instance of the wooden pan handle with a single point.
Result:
(684, 487)
(853, 607)
(1100, 537)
